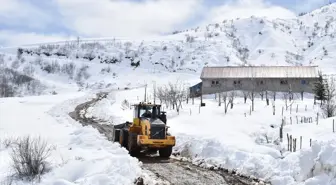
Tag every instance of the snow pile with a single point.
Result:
(100, 111)
(315, 165)
(81, 155)
(318, 164)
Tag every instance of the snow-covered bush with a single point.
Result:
(2, 59)
(190, 38)
(53, 67)
(8, 142)
(30, 158)
(106, 70)
(69, 69)
(28, 70)
(82, 74)
(15, 64)
(13, 84)
(329, 107)
(125, 105)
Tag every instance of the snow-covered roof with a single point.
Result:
(260, 72)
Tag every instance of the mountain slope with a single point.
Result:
(305, 40)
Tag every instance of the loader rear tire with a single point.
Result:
(166, 152)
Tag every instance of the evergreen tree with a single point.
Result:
(320, 89)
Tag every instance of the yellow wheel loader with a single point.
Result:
(148, 132)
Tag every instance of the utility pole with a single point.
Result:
(145, 93)
(154, 85)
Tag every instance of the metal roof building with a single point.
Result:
(258, 78)
(259, 72)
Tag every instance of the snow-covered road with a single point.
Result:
(170, 171)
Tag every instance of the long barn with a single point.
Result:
(297, 79)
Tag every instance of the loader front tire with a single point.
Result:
(133, 147)
(166, 152)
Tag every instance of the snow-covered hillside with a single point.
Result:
(306, 40)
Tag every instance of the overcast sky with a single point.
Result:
(33, 21)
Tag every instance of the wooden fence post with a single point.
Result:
(294, 150)
(300, 142)
(291, 143)
(317, 118)
(273, 109)
(282, 111)
(333, 126)
(287, 141)
(281, 132)
(297, 108)
(290, 110)
(310, 141)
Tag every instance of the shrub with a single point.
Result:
(82, 73)
(69, 69)
(19, 53)
(29, 158)
(38, 60)
(8, 142)
(2, 59)
(28, 70)
(106, 70)
(15, 64)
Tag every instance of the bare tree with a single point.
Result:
(161, 94)
(329, 107)
(232, 96)
(287, 99)
(253, 90)
(288, 96)
(226, 101)
(172, 94)
(252, 96)
(246, 93)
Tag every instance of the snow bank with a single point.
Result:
(318, 164)
(315, 165)
(101, 111)
(81, 155)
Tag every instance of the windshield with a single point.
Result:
(149, 111)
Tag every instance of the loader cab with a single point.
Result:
(147, 110)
